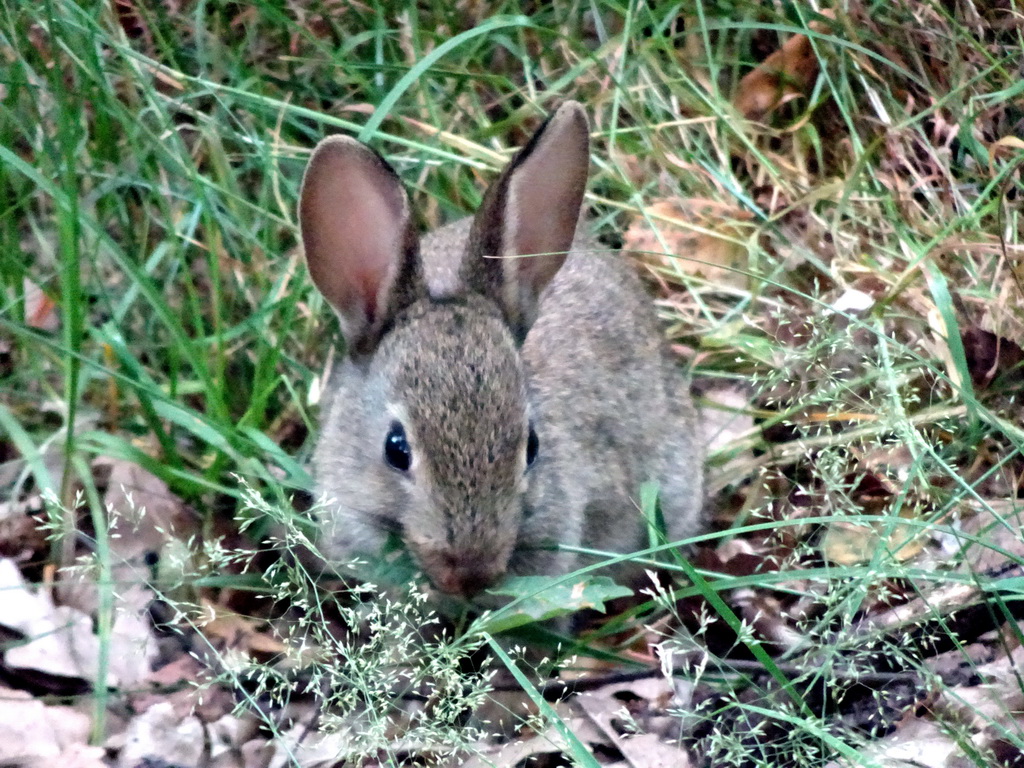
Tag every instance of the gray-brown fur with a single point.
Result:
(466, 352)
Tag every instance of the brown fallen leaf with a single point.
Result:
(143, 517)
(40, 309)
(34, 734)
(693, 236)
(996, 704)
(1007, 146)
(61, 644)
(239, 632)
(543, 748)
(187, 685)
(787, 73)
(256, 753)
(990, 356)
(726, 417)
(918, 742)
(162, 735)
(993, 535)
(610, 715)
(21, 537)
(62, 648)
(75, 756)
(183, 669)
(132, 22)
(144, 514)
(846, 543)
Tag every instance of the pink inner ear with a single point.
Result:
(353, 214)
(369, 284)
(545, 220)
(545, 194)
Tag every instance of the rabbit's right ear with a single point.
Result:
(362, 251)
(527, 220)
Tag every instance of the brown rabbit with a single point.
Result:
(506, 386)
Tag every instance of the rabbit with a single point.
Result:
(505, 387)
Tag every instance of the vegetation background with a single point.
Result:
(827, 199)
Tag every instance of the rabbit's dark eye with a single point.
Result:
(532, 444)
(396, 448)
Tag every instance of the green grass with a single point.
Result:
(149, 164)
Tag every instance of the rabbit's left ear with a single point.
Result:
(525, 226)
(357, 234)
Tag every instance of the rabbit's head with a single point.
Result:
(438, 441)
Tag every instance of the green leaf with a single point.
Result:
(541, 598)
(736, 336)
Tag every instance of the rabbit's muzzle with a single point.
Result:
(463, 574)
(467, 579)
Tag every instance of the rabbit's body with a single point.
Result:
(613, 409)
(531, 397)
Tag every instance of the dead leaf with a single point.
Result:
(62, 645)
(846, 543)
(131, 21)
(610, 717)
(997, 530)
(727, 423)
(75, 756)
(257, 753)
(40, 309)
(143, 513)
(301, 748)
(161, 735)
(766, 615)
(1007, 146)
(133, 648)
(186, 684)
(239, 632)
(226, 735)
(989, 356)
(996, 700)
(548, 743)
(144, 518)
(21, 537)
(184, 669)
(693, 236)
(918, 742)
(851, 302)
(787, 73)
(60, 640)
(34, 734)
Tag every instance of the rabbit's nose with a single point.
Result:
(466, 577)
